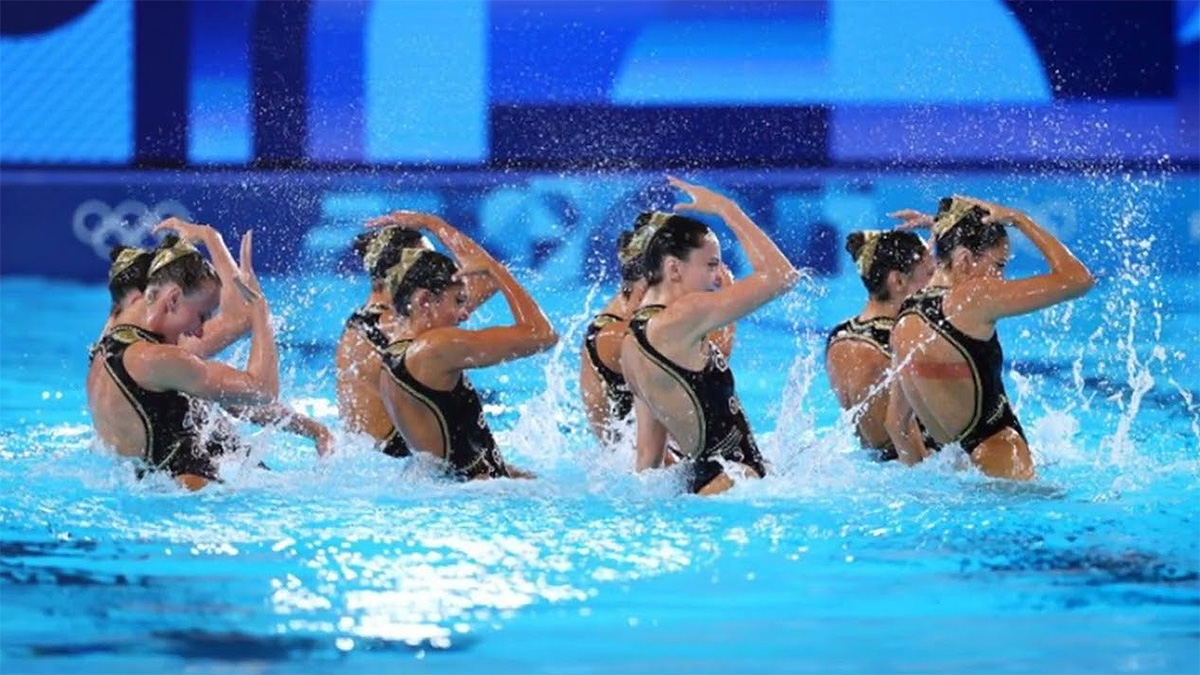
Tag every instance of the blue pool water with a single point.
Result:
(361, 563)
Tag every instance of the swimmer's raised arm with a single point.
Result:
(912, 219)
(1067, 279)
(263, 363)
(530, 333)
(234, 318)
(771, 277)
(724, 336)
(172, 368)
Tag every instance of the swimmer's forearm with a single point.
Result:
(479, 287)
(263, 363)
(649, 459)
(765, 257)
(222, 259)
(915, 445)
(900, 423)
(459, 244)
(277, 414)
(219, 333)
(908, 451)
(1062, 262)
(235, 313)
(525, 310)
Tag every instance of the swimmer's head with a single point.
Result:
(959, 225)
(423, 281)
(380, 248)
(185, 283)
(682, 250)
(127, 275)
(891, 264)
(631, 248)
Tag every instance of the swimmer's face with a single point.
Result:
(992, 262)
(188, 312)
(450, 307)
(701, 270)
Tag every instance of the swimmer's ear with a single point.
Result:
(171, 294)
(672, 271)
(895, 282)
(960, 257)
(420, 298)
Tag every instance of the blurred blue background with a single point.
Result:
(539, 125)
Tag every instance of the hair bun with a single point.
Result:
(854, 244)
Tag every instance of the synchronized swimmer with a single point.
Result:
(920, 367)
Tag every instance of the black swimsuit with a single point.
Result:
(183, 436)
(620, 398)
(876, 332)
(365, 321)
(467, 442)
(986, 360)
(724, 431)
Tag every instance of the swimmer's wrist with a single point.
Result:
(259, 313)
(729, 210)
(206, 235)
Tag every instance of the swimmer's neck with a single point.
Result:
(950, 278)
(151, 317)
(130, 313)
(623, 306)
(379, 296)
(879, 308)
(663, 294)
(419, 324)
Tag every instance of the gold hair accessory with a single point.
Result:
(396, 273)
(166, 256)
(124, 259)
(946, 220)
(640, 240)
(866, 254)
(378, 244)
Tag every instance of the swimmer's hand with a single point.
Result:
(703, 199)
(520, 474)
(246, 280)
(997, 213)
(911, 219)
(192, 233)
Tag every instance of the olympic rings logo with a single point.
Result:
(127, 224)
